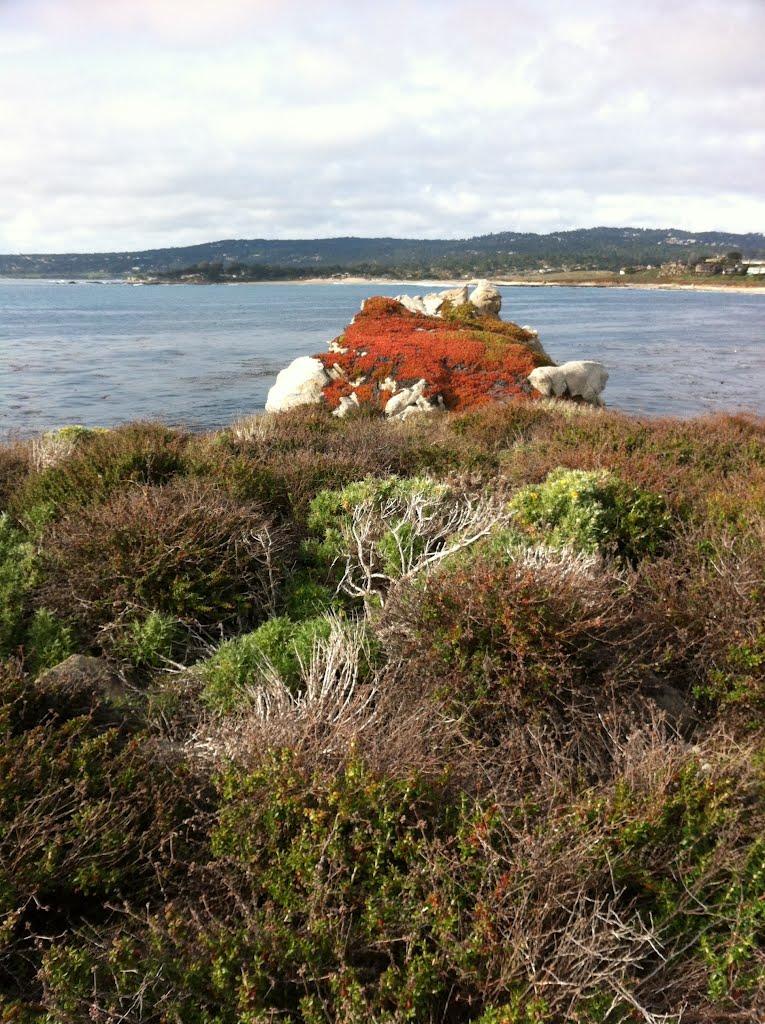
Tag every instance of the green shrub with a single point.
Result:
(89, 811)
(352, 880)
(148, 642)
(14, 469)
(685, 843)
(48, 641)
(593, 511)
(17, 577)
(331, 512)
(280, 642)
(305, 598)
(54, 446)
(500, 640)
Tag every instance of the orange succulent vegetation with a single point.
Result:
(469, 359)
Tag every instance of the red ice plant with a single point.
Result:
(467, 358)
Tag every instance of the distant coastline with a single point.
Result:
(756, 288)
(751, 289)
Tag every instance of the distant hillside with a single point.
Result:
(588, 249)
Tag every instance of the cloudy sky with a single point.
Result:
(139, 123)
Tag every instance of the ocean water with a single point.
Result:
(101, 354)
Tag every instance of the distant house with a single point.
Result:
(674, 268)
(755, 267)
(711, 265)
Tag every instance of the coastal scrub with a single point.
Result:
(321, 719)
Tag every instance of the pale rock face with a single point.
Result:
(347, 404)
(433, 303)
(580, 378)
(413, 303)
(486, 298)
(300, 383)
(417, 410)
(456, 296)
(403, 398)
(336, 372)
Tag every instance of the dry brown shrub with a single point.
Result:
(188, 550)
(101, 463)
(530, 638)
(15, 466)
(681, 459)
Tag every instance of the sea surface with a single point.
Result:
(101, 354)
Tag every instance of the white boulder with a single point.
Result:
(417, 410)
(413, 303)
(347, 404)
(580, 378)
(431, 304)
(300, 383)
(403, 398)
(454, 296)
(486, 298)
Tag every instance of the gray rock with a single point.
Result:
(678, 711)
(81, 685)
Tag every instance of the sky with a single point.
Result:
(131, 124)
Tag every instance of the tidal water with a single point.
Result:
(101, 354)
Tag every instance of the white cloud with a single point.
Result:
(135, 123)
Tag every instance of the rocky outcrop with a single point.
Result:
(81, 685)
(485, 297)
(581, 378)
(300, 383)
(417, 355)
(411, 401)
(407, 363)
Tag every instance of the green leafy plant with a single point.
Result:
(17, 577)
(48, 641)
(331, 512)
(150, 642)
(593, 511)
(280, 644)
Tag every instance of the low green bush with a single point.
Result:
(352, 880)
(303, 597)
(17, 577)
(591, 512)
(331, 511)
(502, 640)
(691, 858)
(48, 641)
(100, 463)
(89, 807)
(149, 642)
(280, 643)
